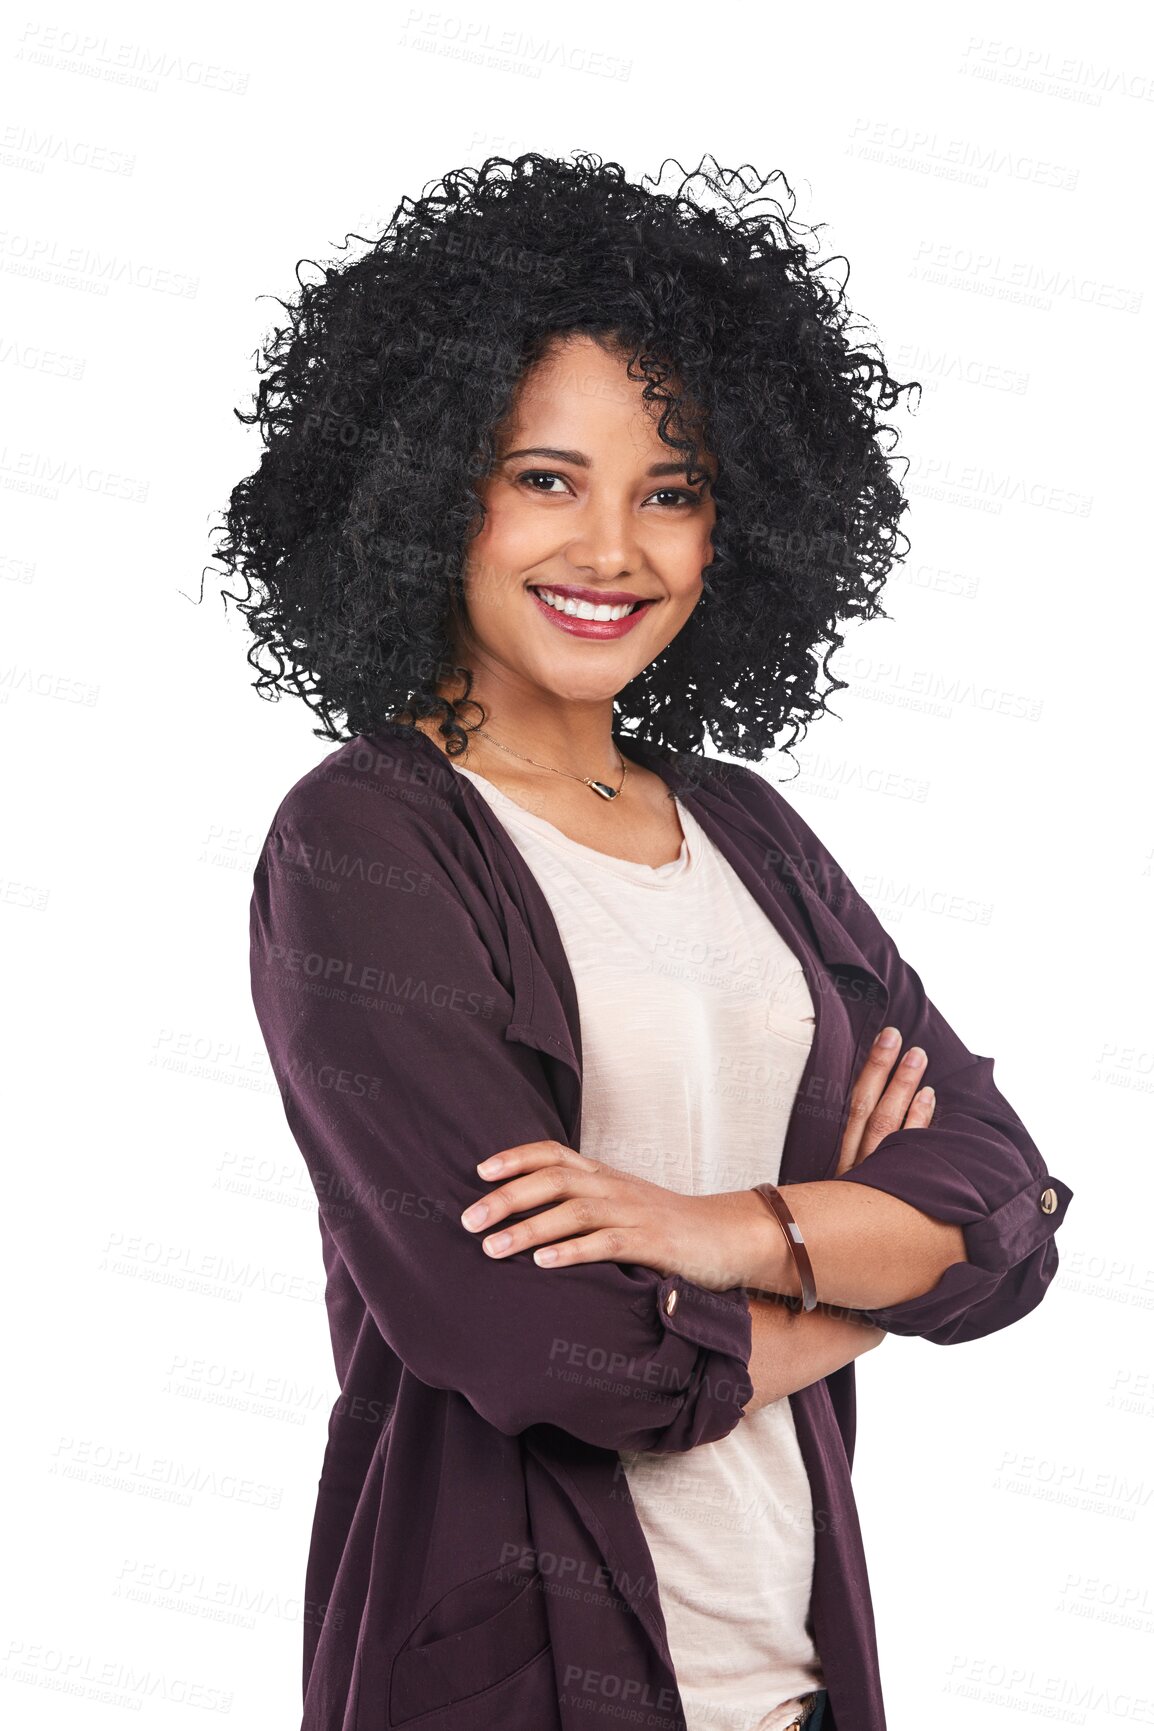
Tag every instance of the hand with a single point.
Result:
(877, 1108)
(603, 1215)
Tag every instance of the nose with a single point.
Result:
(605, 541)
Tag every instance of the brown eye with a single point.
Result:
(538, 475)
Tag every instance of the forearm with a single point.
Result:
(791, 1349)
(868, 1249)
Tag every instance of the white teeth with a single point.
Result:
(585, 609)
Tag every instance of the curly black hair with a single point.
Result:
(378, 403)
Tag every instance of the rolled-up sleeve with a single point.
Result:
(385, 1018)
(974, 1165)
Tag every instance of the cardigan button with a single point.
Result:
(671, 1302)
(1049, 1200)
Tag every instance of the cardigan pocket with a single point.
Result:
(475, 1637)
(798, 1030)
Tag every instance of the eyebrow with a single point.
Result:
(581, 461)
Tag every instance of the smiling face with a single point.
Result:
(587, 510)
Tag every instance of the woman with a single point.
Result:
(547, 998)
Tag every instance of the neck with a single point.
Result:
(572, 737)
(577, 754)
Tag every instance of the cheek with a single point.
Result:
(698, 555)
(692, 596)
(508, 543)
(698, 546)
(495, 570)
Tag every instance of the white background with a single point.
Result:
(169, 1368)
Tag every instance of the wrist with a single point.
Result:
(766, 1251)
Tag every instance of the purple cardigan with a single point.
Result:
(476, 1559)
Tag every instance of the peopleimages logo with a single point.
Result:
(363, 977)
(304, 1071)
(324, 861)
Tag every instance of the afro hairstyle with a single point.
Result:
(378, 403)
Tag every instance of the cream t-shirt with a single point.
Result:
(696, 1022)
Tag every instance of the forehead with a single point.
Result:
(579, 387)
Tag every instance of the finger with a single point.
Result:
(919, 1117)
(608, 1245)
(921, 1110)
(867, 1091)
(888, 1115)
(581, 1214)
(551, 1183)
(526, 1156)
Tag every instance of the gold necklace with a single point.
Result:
(600, 788)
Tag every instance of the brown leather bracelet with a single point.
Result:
(778, 1206)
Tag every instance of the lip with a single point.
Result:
(608, 597)
(605, 629)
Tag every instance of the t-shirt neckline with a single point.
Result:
(635, 871)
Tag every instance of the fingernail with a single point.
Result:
(476, 1215)
(888, 1037)
(502, 1242)
(928, 1096)
(493, 1164)
(914, 1056)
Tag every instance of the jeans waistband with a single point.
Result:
(812, 1713)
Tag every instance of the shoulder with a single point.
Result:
(741, 785)
(371, 851)
(379, 783)
(376, 812)
(745, 794)
(764, 797)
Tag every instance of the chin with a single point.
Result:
(570, 689)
